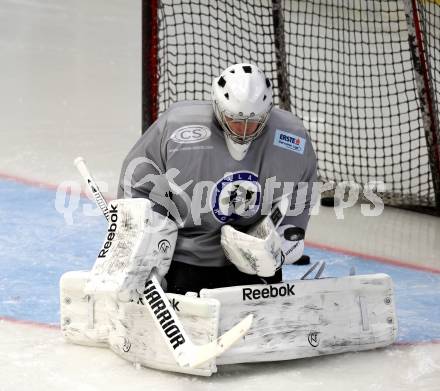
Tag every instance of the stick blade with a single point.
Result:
(204, 353)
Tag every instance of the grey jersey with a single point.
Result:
(183, 165)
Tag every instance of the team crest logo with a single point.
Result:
(236, 195)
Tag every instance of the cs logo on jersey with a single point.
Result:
(191, 134)
(236, 195)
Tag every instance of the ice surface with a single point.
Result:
(37, 358)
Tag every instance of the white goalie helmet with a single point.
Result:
(242, 99)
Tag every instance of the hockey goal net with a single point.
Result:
(364, 76)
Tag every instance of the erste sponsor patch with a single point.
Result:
(289, 141)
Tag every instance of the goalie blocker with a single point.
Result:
(294, 319)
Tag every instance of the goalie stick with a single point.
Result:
(185, 352)
(93, 187)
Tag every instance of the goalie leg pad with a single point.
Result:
(294, 319)
(136, 339)
(305, 318)
(128, 328)
(85, 319)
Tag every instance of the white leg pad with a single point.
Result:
(305, 318)
(128, 328)
(136, 338)
(295, 319)
(84, 318)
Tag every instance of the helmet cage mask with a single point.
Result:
(242, 94)
(226, 118)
